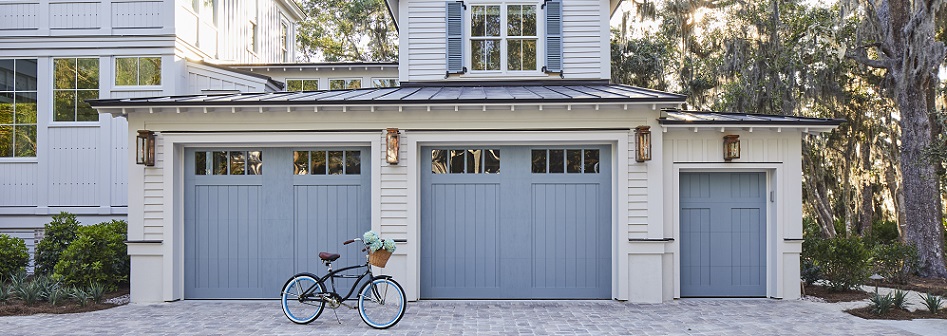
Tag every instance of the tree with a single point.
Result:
(898, 37)
(347, 31)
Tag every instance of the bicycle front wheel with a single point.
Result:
(381, 303)
(301, 298)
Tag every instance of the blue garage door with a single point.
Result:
(516, 222)
(723, 235)
(254, 217)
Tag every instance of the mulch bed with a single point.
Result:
(832, 297)
(897, 314)
(15, 307)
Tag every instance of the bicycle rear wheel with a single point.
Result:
(381, 303)
(301, 298)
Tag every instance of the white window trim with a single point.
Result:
(286, 50)
(137, 87)
(253, 26)
(385, 78)
(317, 80)
(73, 123)
(540, 41)
(361, 82)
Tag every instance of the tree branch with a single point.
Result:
(861, 56)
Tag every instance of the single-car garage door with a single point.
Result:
(723, 234)
(254, 217)
(515, 222)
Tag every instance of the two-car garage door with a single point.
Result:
(254, 217)
(515, 222)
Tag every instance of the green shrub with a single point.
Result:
(881, 304)
(844, 262)
(931, 302)
(810, 273)
(883, 232)
(60, 232)
(4, 293)
(13, 255)
(96, 292)
(896, 261)
(98, 255)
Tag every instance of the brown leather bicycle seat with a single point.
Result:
(328, 256)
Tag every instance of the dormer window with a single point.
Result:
(503, 37)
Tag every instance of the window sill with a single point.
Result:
(137, 88)
(18, 160)
(505, 75)
(68, 124)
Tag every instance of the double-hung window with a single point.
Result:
(18, 83)
(503, 37)
(76, 80)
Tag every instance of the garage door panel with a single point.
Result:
(246, 234)
(547, 234)
(723, 234)
(464, 235)
(229, 217)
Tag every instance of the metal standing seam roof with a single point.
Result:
(574, 93)
(682, 117)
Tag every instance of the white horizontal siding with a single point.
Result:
(637, 220)
(582, 39)
(18, 183)
(394, 195)
(153, 200)
(708, 147)
(73, 166)
(427, 46)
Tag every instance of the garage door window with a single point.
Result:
(465, 161)
(570, 161)
(228, 163)
(327, 162)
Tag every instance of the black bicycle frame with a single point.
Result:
(334, 275)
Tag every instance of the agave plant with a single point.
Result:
(881, 304)
(931, 302)
(79, 295)
(96, 291)
(899, 300)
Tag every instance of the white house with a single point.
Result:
(56, 153)
(520, 173)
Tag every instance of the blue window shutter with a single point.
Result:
(455, 37)
(554, 36)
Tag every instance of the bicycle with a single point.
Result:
(381, 300)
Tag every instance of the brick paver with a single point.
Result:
(683, 317)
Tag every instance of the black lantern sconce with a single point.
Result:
(145, 148)
(643, 139)
(731, 147)
(393, 145)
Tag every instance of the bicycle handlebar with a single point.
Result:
(350, 241)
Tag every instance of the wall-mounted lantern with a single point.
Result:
(393, 142)
(643, 139)
(731, 147)
(145, 148)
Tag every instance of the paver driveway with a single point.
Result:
(685, 317)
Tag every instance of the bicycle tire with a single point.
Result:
(381, 303)
(298, 308)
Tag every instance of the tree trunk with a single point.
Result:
(866, 210)
(920, 182)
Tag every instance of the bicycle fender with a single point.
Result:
(382, 276)
(305, 273)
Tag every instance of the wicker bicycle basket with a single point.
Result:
(379, 258)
